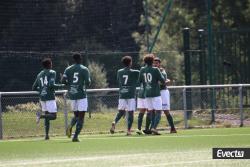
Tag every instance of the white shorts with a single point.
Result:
(126, 104)
(154, 103)
(49, 106)
(79, 105)
(141, 103)
(165, 97)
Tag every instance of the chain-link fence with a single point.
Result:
(232, 108)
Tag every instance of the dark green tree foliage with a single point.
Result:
(97, 28)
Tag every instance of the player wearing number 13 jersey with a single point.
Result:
(77, 78)
(150, 78)
(127, 79)
(45, 85)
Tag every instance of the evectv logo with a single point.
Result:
(231, 153)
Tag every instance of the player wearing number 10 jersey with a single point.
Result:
(150, 77)
(77, 78)
(45, 84)
(127, 79)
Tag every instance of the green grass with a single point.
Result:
(186, 148)
(22, 124)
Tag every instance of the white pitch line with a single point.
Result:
(131, 137)
(172, 163)
(94, 158)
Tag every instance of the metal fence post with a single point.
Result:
(65, 113)
(241, 107)
(1, 122)
(185, 108)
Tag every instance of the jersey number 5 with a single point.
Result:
(75, 77)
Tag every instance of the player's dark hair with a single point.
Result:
(157, 59)
(148, 59)
(126, 60)
(46, 62)
(77, 58)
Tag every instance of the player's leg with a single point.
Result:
(140, 120)
(170, 121)
(79, 125)
(72, 123)
(119, 115)
(130, 122)
(130, 119)
(50, 109)
(148, 115)
(73, 119)
(166, 108)
(142, 109)
(82, 106)
(157, 105)
(153, 112)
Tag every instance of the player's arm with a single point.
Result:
(140, 78)
(87, 78)
(52, 82)
(35, 85)
(167, 81)
(137, 74)
(161, 77)
(64, 79)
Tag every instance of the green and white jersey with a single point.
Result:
(45, 84)
(150, 77)
(163, 86)
(128, 80)
(77, 78)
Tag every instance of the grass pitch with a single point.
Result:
(186, 148)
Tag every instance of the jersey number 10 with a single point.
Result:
(147, 77)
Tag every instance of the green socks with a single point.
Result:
(79, 126)
(119, 115)
(46, 126)
(148, 120)
(170, 121)
(73, 121)
(130, 119)
(157, 119)
(140, 120)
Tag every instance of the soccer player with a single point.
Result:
(77, 78)
(45, 84)
(127, 79)
(165, 96)
(150, 77)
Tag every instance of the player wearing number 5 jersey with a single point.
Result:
(77, 78)
(127, 79)
(45, 84)
(150, 77)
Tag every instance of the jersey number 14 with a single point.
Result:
(44, 81)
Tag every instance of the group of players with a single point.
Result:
(153, 95)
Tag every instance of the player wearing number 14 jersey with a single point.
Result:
(77, 78)
(127, 79)
(45, 84)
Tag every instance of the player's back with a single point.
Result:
(150, 77)
(45, 80)
(78, 79)
(127, 79)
